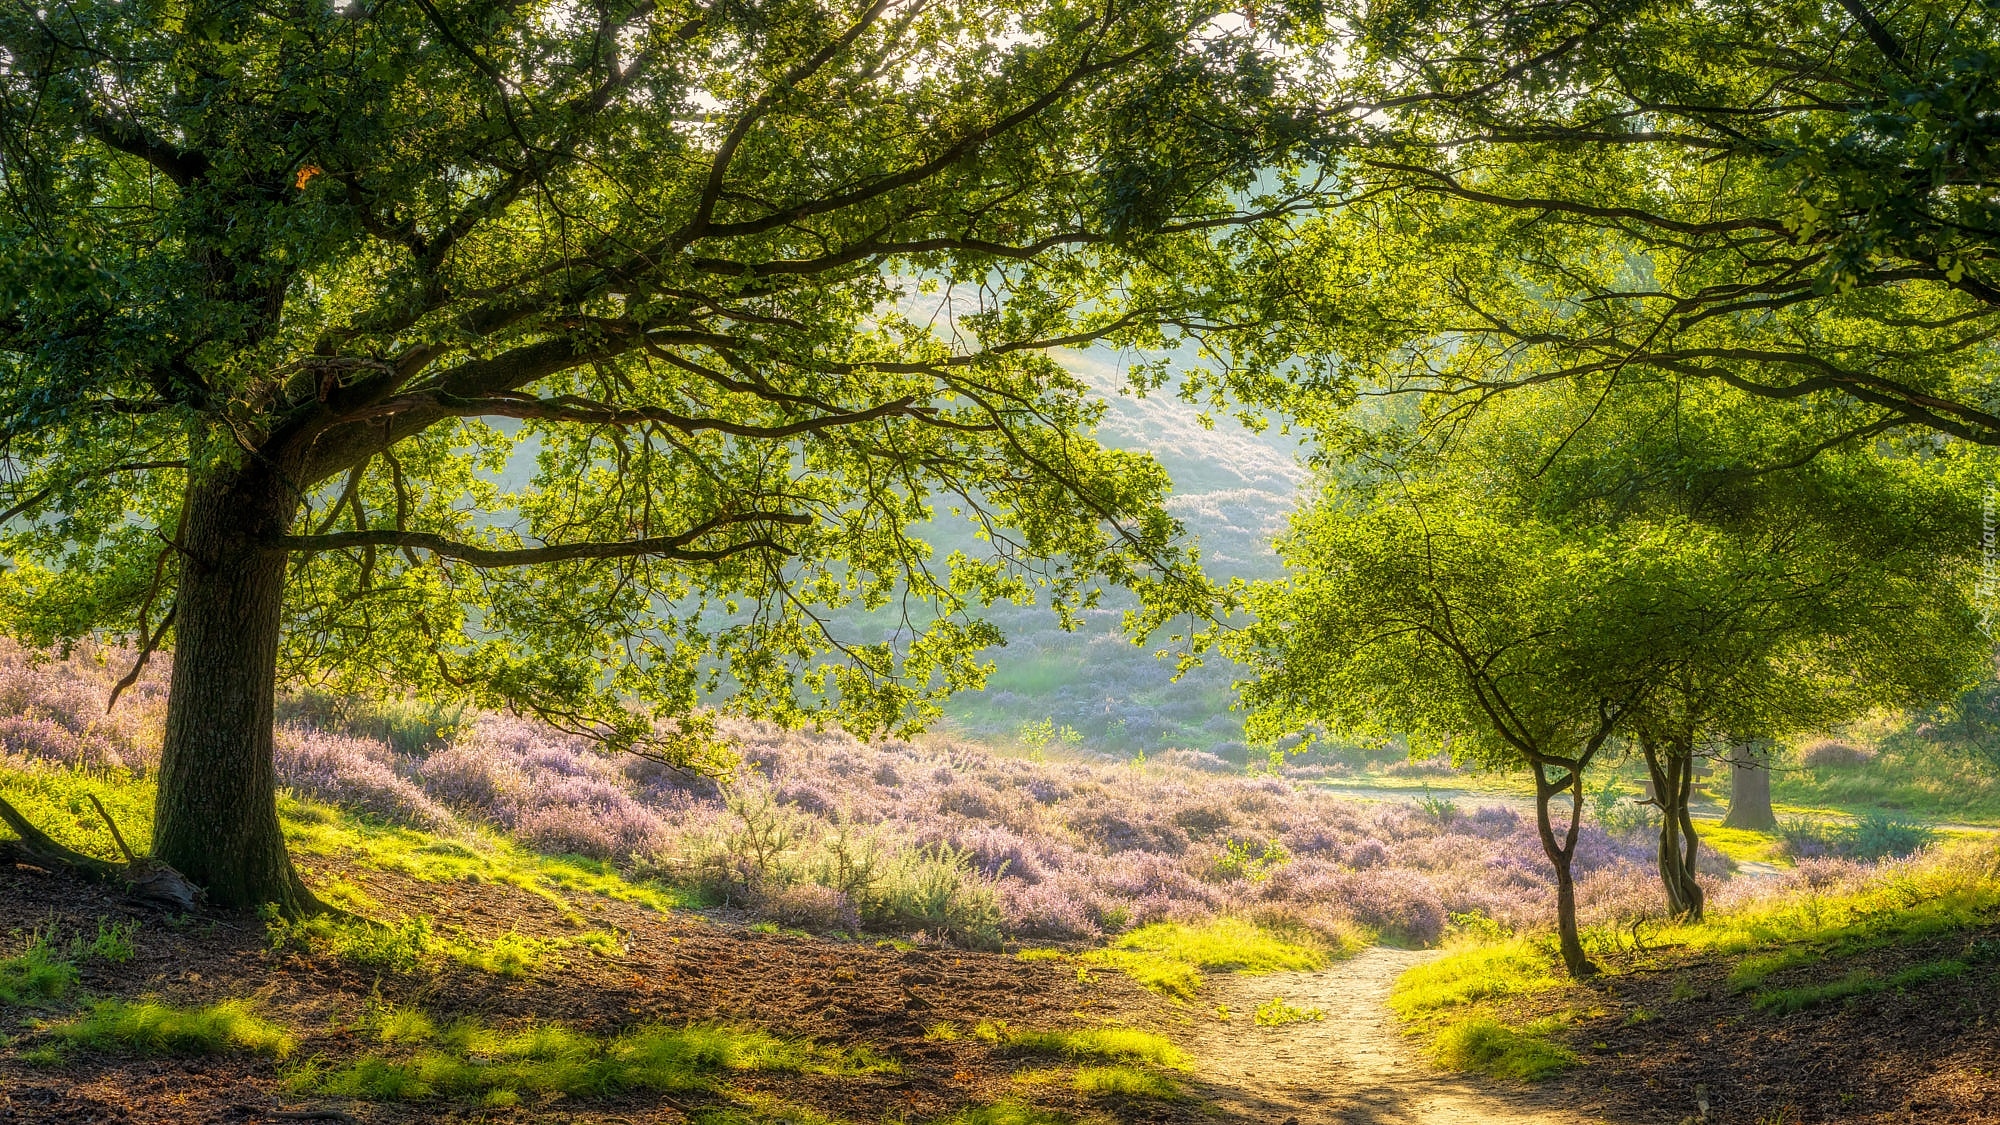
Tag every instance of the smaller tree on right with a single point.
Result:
(1655, 566)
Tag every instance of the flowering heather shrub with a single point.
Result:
(1200, 760)
(54, 707)
(356, 773)
(820, 830)
(551, 790)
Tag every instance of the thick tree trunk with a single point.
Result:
(1560, 854)
(1672, 770)
(216, 815)
(1749, 792)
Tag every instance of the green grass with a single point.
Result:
(1277, 1012)
(45, 969)
(467, 1060)
(1741, 844)
(1474, 973)
(1170, 957)
(1861, 982)
(482, 856)
(39, 974)
(1930, 783)
(1004, 1113)
(512, 954)
(149, 1028)
(1125, 1082)
(1957, 891)
(416, 944)
(1490, 1047)
(1110, 1044)
(57, 800)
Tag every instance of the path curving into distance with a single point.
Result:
(1352, 1068)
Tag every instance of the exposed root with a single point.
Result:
(147, 880)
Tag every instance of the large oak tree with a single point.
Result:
(291, 287)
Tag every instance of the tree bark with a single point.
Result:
(1749, 792)
(1560, 854)
(215, 818)
(1671, 767)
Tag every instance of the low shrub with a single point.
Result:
(1880, 835)
(1872, 836)
(1831, 753)
(936, 890)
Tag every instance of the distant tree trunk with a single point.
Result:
(215, 818)
(1749, 792)
(1560, 854)
(1671, 767)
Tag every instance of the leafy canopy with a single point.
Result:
(1792, 199)
(756, 290)
(1657, 566)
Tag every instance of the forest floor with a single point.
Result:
(888, 1032)
(1904, 1031)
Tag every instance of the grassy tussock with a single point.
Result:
(148, 1028)
(1125, 1082)
(45, 969)
(415, 944)
(1490, 1047)
(1170, 957)
(466, 1060)
(1473, 973)
(1111, 1044)
(1277, 1012)
(38, 974)
(1005, 1113)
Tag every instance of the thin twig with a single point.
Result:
(113, 825)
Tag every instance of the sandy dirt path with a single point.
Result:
(1351, 1068)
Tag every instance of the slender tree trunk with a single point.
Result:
(216, 816)
(1671, 767)
(1560, 854)
(1749, 792)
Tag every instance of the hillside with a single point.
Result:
(533, 931)
(1233, 489)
